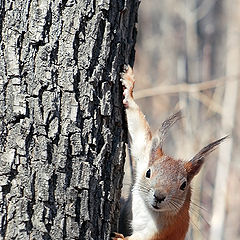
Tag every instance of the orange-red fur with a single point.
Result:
(179, 223)
(171, 226)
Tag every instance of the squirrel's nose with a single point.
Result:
(159, 197)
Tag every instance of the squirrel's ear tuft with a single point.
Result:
(158, 139)
(194, 165)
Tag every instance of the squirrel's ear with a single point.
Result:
(156, 150)
(194, 165)
(158, 139)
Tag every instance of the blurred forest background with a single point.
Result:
(188, 57)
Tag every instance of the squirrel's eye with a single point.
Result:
(183, 186)
(148, 173)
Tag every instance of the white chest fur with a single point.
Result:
(143, 221)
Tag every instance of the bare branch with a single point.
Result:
(183, 87)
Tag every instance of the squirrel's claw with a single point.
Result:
(125, 67)
(126, 97)
(117, 236)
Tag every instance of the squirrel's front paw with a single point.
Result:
(128, 84)
(117, 236)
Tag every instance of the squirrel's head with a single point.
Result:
(165, 184)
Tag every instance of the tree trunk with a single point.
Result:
(62, 137)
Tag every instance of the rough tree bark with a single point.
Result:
(61, 128)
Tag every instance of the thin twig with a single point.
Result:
(209, 102)
(204, 8)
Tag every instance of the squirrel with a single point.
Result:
(161, 195)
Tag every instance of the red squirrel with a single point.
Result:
(161, 194)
